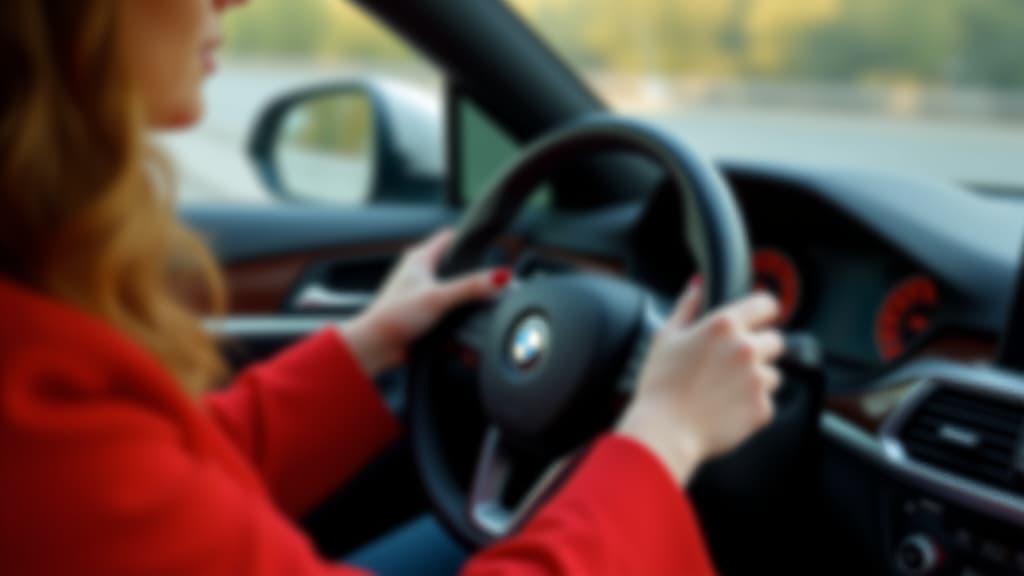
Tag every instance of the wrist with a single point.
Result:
(370, 345)
(678, 451)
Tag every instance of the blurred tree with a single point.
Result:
(992, 51)
(975, 42)
(872, 40)
(774, 30)
(323, 29)
(280, 29)
(652, 36)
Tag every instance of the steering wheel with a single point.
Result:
(502, 395)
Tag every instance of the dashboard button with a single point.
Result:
(918, 555)
(995, 552)
(1018, 562)
(1018, 465)
(963, 538)
(911, 559)
(932, 507)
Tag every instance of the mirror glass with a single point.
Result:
(325, 148)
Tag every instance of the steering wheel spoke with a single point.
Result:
(474, 328)
(487, 507)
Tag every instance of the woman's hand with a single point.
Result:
(412, 301)
(707, 385)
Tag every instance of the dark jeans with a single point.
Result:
(421, 547)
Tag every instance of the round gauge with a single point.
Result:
(906, 313)
(776, 272)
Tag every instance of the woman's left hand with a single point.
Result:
(412, 302)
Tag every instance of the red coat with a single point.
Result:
(107, 468)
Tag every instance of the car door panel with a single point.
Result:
(291, 270)
(253, 233)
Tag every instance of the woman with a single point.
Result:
(113, 459)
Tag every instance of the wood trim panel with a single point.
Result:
(261, 286)
(869, 410)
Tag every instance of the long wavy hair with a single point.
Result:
(86, 202)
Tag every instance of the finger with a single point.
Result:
(770, 345)
(769, 377)
(757, 311)
(765, 409)
(473, 287)
(688, 306)
(435, 247)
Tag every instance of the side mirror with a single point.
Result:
(351, 142)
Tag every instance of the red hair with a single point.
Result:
(86, 202)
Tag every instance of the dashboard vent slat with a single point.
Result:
(926, 441)
(937, 456)
(966, 434)
(999, 436)
(971, 412)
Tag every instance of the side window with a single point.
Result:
(314, 103)
(483, 149)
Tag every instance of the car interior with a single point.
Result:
(898, 446)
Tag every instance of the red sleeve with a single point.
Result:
(307, 419)
(619, 514)
(140, 502)
(121, 488)
(119, 491)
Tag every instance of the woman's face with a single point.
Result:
(171, 47)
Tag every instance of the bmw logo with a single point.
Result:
(530, 341)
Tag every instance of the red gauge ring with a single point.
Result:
(905, 314)
(776, 272)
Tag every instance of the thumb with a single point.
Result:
(435, 247)
(688, 306)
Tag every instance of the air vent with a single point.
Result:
(969, 435)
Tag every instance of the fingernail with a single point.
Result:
(501, 277)
(695, 281)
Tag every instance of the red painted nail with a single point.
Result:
(696, 281)
(501, 277)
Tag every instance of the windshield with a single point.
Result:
(930, 88)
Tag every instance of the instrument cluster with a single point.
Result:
(865, 312)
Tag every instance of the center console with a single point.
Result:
(946, 439)
(932, 535)
(957, 442)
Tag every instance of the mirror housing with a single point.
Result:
(401, 138)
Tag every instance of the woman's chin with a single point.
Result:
(180, 118)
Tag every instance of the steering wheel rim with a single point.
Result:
(713, 231)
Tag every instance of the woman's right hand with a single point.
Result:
(707, 384)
